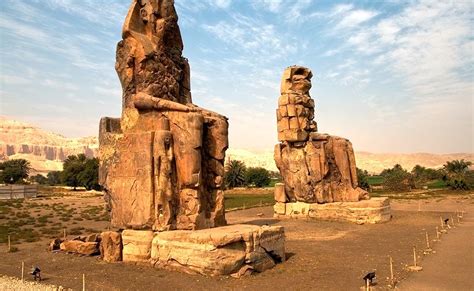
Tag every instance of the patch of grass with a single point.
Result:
(13, 250)
(17, 234)
(247, 200)
(22, 214)
(43, 219)
(91, 230)
(53, 231)
(375, 180)
(76, 230)
(437, 184)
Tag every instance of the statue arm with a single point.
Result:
(144, 101)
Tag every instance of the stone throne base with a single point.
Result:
(226, 250)
(373, 210)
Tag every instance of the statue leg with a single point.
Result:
(187, 130)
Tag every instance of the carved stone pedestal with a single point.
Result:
(374, 210)
(232, 249)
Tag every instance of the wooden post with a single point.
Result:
(9, 244)
(452, 220)
(391, 272)
(414, 256)
(367, 286)
(83, 282)
(22, 271)
(427, 241)
(437, 233)
(442, 223)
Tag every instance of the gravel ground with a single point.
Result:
(11, 283)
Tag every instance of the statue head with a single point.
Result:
(157, 21)
(296, 79)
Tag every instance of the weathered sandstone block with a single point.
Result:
(219, 251)
(111, 246)
(316, 168)
(136, 245)
(374, 210)
(80, 247)
(162, 162)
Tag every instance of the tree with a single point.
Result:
(14, 171)
(54, 178)
(422, 175)
(457, 174)
(397, 179)
(259, 177)
(89, 177)
(72, 167)
(234, 174)
(39, 179)
(363, 179)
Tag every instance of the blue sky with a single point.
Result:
(392, 76)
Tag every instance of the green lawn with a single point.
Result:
(437, 184)
(233, 201)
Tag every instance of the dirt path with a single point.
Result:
(452, 267)
(321, 255)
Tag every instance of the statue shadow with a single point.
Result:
(260, 222)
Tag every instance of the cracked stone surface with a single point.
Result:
(162, 162)
(315, 167)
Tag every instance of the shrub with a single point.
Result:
(363, 179)
(258, 177)
(397, 179)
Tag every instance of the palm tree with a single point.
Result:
(234, 173)
(457, 167)
(455, 176)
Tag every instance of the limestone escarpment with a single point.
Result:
(45, 150)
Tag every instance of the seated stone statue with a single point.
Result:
(162, 163)
(315, 167)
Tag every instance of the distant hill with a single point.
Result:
(372, 162)
(46, 151)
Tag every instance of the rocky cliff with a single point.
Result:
(45, 150)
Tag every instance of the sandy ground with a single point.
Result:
(15, 284)
(453, 265)
(321, 255)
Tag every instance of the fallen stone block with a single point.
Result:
(79, 247)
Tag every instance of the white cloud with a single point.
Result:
(355, 17)
(273, 6)
(221, 3)
(253, 36)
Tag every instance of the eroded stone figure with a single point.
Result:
(162, 163)
(315, 167)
